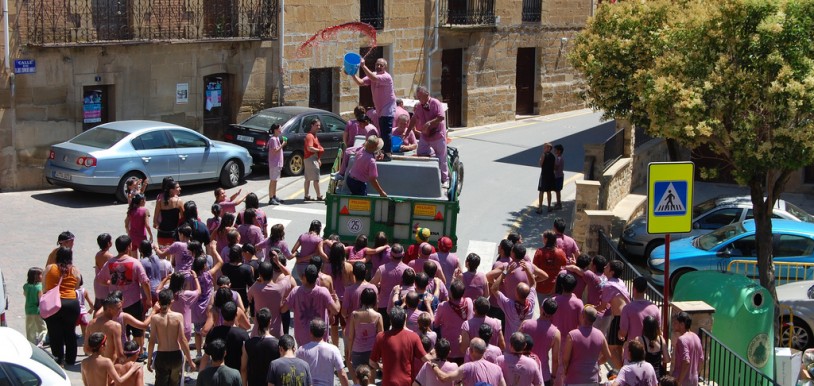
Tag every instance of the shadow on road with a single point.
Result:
(531, 225)
(572, 144)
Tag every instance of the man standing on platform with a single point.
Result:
(428, 119)
(384, 99)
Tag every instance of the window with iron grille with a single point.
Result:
(372, 12)
(47, 22)
(468, 12)
(532, 10)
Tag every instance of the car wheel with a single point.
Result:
(653, 244)
(295, 164)
(797, 331)
(121, 189)
(230, 174)
(675, 278)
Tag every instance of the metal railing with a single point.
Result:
(468, 12)
(372, 12)
(532, 10)
(614, 148)
(784, 272)
(48, 22)
(726, 368)
(609, 250)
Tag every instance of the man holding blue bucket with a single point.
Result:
(384, 99)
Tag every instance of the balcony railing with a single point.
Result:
(372, 12)
(532, 10)
(57, 22)
(468, 12)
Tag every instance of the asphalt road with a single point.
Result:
(499, 195)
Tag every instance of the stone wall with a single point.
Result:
(654, 150)
(615, 183)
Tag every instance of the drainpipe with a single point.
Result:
(6, 38)
(433, 50)
(280, 41)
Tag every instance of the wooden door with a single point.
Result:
(524, 80)
(321, 90)
(452, 84)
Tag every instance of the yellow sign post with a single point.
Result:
(669, 197)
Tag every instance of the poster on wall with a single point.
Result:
(92, 106)
(214, 90)
(181, 93)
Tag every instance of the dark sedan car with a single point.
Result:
(295, 121)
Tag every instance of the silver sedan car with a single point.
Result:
(796, 299)
(707, 216)
(103, 158)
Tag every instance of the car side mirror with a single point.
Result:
(724, 254)
(696, 225)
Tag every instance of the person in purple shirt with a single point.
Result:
(475, 282)
(387, 277)
(249, 232)
(569, 306)
(323, 358)
(408, 140)
(451, 315)
(352, 127)
(637, 372)
(469, 328)
(305, 247)
(632, 319)
(364, 171)
(485, 332)
(426, 376)
(428, 118)
(519, 370)
(518, 270)
(688, 353)
(584, 349)
(178, 253)
(353, 292)
(448, 261)
(516, 311)
(547, 338)
(478, 370)
(309, 301)
(384, 99)
(565, 242)
(275, 160)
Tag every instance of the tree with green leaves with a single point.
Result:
(736, 76)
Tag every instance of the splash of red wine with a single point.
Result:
(330, 33)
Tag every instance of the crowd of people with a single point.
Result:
(406, 315)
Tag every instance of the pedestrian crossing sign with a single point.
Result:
(669, 197)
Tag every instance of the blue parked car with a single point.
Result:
(793, 241)
(104, 157)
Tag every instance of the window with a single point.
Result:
(305, 124)
(372, 12)
(745, 247)
(321, 95)
(792, 246)
(187, 139)
(331, 124)
(532, 10)
(100, 138)
(152, 141)
(4, 380)
(24, 376)
(750, 214)
(719, 218)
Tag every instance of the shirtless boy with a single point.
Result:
(98, 370)
(167, 330)
(131, 351)
(112, 322)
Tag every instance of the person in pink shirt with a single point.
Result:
(519, 370)
(688, 353)
(637, 372)
(387, 277)
(353, 292)
(584, 349)
(364, 170)
(228, 205)
(402, 130)
(614, 298)
(306, 246)
(275, 160)
(569, 306)
(474, 281)
(428, 118)
(352, 127)
(136, 222)
(400, 109)
(273, 286)
(178, 252)
(436, 284)
(632, 318)
(515, 311)
(363, 326)
(384, 99)
(593, 277)
(583, 262)
(451, 316)
(309, 301)
(448, 261)
(469, 328)
(426, 376)
(425, 254)
(183, 300)
(565, 242)
(485, 333)
(478, 370)
(249, 232)
(547, 338)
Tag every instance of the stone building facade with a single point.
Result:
(205, 64)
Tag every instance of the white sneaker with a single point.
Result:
(445, 185)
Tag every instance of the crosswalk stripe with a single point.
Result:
(487, 250)
(274, 221)
(288, 208)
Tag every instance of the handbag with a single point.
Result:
(50, 302)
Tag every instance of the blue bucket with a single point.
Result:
(352, 62)
(396, 141)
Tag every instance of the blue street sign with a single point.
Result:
(25, 66)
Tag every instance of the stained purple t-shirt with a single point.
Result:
(472, 325)
(390, 273)
(182, 255)
(384, 96)
(515, 312)
(125, 274)
(480, 371)
(450, 318)
(520, 370)
(307, 305)
(365, 167)
(542, 332)
(568, 309)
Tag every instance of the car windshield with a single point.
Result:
(718, 236)
(99, 137)
(43, 358)
(703, 207)
(263, 121)
(795, 211)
